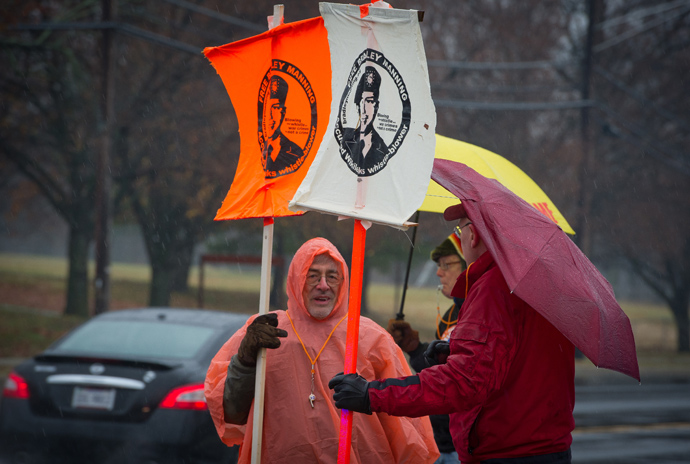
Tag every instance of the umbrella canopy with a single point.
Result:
(493, 166)
(545, 268)
(490, 165)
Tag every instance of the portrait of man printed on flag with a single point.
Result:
(279, 151)
(367, 136)
(285, 138)
(363, 142)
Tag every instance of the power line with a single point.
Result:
(639, 97)
(203, 34)
(124, 28)
(631, 33)
(649, 148)
(217, 15)
(667, 155)
(157, 38)
(498, 88)
(135, 31)
(495, 66)
(640, 14)
(671, 157)
(513, 106)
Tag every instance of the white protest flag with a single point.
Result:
(375, 160)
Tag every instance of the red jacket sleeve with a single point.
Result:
(482, 348)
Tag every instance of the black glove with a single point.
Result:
(263, 332)
(437, 352)
(406, 338)
(351, 392)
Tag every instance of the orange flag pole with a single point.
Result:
(358, 245)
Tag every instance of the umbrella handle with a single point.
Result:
(400, 316)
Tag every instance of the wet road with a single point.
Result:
(635, 424)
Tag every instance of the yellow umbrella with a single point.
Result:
(493, 166)
(489, 165)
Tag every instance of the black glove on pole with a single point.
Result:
(437, 352)
(351, 392)
(263, 332)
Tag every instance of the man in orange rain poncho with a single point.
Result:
(301, 422)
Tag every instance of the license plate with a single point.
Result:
(93, 398)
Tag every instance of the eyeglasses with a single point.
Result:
(458, 229)
(446, 266)
(314, 278)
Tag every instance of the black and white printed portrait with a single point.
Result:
(279, 151)
(374, 114)
(364, 144)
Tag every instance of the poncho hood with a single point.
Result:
(297, 275)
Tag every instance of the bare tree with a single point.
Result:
(643, 166)
(178, 142)
(49, 121)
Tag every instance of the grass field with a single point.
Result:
(32, 299)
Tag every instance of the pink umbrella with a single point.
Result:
(545, 268)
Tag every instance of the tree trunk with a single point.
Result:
(162, 276)
(679, 307)
(181, 278)
(170, 263)
(77, 278)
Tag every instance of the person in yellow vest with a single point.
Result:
(307, 345)
(448, 258)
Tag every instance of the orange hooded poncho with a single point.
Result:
(293, 431)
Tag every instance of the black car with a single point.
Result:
(125, 387)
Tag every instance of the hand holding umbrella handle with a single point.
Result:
(403, 335)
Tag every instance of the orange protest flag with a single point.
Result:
(279, 83)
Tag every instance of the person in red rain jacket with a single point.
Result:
(507, 381)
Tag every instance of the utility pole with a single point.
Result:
(584, 205)
(103, 174)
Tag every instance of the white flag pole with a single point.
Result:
(259, 386)
(264, 297)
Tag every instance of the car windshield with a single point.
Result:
(137, 338)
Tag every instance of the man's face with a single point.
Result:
(368, 106)
(322, 286)
(449, 269)
(466, 230)
(274, 116)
